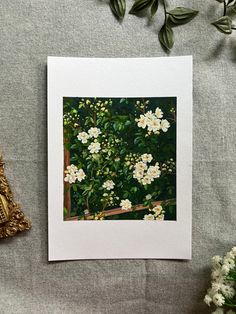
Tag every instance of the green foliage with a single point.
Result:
(224, 25)
(175, 17)
(166, 37)
(118, 7)
(122, 143)
(181, 15)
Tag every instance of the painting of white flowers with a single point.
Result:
(119, 158)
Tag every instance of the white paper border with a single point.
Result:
(136, 77)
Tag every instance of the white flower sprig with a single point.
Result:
(153, 122)
(222, 291)
(74, 174)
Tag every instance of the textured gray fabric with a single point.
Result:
(30, 31)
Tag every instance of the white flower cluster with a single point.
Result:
(144, 174)
(125, 204)
(95, 146)
(222, 289)
(74, 174)
(153, 122)
(157, 213)
(109, 185)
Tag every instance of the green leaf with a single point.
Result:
(154, 7)
(166, 37)
(181, 15)
(140, 5)
(118, 8)
(224, 25)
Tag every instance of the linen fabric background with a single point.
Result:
(30, 31)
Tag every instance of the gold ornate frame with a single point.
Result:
(12, 219)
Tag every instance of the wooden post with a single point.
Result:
(67, 197)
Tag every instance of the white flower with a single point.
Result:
(216, 274)
(109, 185)
(229, 262)
(80, 175)
(216, 261)
(142, 121)
(94, 132)
(138, 174)
(207, 299)
(94, 147)
(146, 158)
(148, 197)
(73, 174)
(227, 291)
(158, 113)
(83, 137)
(125, 204)
(218, 299)
(216, 286)
(225, 270)
(154, 125)
(154, 171)
(71, 178)
(160, 217)
(157, 210)
(149, 217)
(140, 166)
(230, 255)
(165, 125)
(146, 180)
(149, 115)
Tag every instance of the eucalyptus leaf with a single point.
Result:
(224, 25)
(154, 7)
(140, 5)
(181, 15)
(118, 8)
(166, 37)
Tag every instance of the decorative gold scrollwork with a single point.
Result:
(12, 219)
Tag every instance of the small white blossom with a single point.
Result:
(148, 197)
(229, 262)
(160, 217)
(225, 269)
(216, 261)
(146, 158)
(165, 125)
(147, 180)
(157, 210)
(94, 132)
(207, 299)
(158, 113)
(83, 137)
(81, 175)
(218, 299)
(234, 250)
(109, 185)
(149, 217)
(94, 147)
(228, 291)
(125, 204)
(142, 122)
(154, 171)
(73, 174)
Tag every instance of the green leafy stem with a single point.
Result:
(177, 16)
(225, 24)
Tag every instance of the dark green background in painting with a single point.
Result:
(162, 147)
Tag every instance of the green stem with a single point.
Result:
(164, 5)
(230, 305)
(225, 7)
